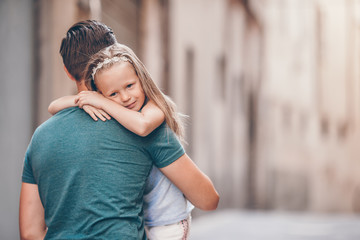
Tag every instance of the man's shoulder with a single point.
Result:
(77, 120)
(68, 118)
(65, 113)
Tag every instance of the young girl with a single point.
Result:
(126, 91)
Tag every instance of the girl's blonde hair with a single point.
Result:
(105, 59)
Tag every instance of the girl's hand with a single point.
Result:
(96, 113)
(92, 98)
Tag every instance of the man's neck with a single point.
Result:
(81, 86)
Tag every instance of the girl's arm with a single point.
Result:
(69, 101)
(141, 123)
(61, 103)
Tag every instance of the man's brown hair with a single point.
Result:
(82, 40)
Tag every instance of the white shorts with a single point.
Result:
(176, 231)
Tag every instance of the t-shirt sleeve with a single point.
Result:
(27, 175)
(164, 147)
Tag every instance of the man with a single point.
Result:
(84, 179)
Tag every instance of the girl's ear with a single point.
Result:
(68, 74)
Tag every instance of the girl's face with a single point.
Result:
(121, 84)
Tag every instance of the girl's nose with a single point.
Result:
(125, 97)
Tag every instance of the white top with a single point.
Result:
(164, 203)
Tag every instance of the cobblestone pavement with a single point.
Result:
(243, 225)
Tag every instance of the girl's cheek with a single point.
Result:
(142, 91)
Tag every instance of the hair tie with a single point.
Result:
(108, 61)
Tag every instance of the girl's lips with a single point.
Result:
(130, 106)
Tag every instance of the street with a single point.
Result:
(253, 225)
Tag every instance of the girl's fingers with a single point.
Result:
(90, 111)
(105, 114)
(80, 104)
(96, 113)
(99, 115)
(81, 101)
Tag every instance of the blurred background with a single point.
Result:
(272, 88)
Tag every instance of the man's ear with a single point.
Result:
(69, 75)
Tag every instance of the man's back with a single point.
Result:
(90, 175)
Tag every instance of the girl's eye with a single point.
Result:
(129, 85)
(113, 94)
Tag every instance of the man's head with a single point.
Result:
(82, 40)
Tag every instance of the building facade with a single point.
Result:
(272, 91)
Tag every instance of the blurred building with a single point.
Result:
(272, 89)
(308, 106)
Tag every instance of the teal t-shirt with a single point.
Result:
(91, 175)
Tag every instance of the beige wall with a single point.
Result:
(206, 80)
(123, 17)
(16, 105)
(311, 96)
